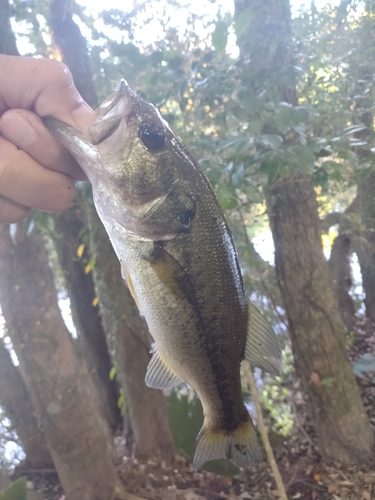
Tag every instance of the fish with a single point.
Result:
(179, 260)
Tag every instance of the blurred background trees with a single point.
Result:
(276, 102)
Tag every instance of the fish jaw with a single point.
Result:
(87, 146)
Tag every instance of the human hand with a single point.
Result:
(36, 171)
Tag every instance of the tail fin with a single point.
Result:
(241, 446)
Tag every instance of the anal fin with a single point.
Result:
(159, 375)
(262, 347)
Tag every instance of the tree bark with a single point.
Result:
(130, 339)
(339, 266)
(73, 46)
(60, 388)
(80, 287)
(364, 244)
(316, 329)
(339, 262)
(15, 401)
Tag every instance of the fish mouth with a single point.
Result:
(111, 112)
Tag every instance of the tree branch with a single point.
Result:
(264, 434)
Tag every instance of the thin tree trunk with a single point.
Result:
(73, 46)
(339, 262)
(15, 401)
(70, 226)
(316, 329)
(130, 339)
(60, 388)
(339, 265)
(364, 243)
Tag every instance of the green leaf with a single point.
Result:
(227, 197)
(300, 158)
(331, 166)
(324, 152)
(244, 145)
(126, 50)
(271, 141)
(283, 120)
(243, 21)
(300, 115)
(121, 403)
(320, 178)
(237, 177)
(219, 36)
(239, 112)
(351, 337)
(317, 144)
(15, 491)
(112, 373)
(90, 266)
(232, 141)
(353, 129)
(270, 166)
(328, 382)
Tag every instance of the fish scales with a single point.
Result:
(179, 259)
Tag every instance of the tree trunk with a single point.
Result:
(15, 401)
(339, 265)
(73, 46)
(80, 287)
(339, 262)
(316, 329)
(130, 339)
(60, 388)
(365, 241)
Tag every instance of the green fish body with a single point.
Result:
(179, 260)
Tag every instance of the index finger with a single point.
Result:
(42, 85)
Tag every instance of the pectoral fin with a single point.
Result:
(159, 375)
(262, 347)
(127, 278)
(171, 273)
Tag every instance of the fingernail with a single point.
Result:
(83, 116)
(16, 129)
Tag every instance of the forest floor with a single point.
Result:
(305, 476)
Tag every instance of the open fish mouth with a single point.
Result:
(117, 107)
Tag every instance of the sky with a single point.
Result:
(196, 5)
(207, 8)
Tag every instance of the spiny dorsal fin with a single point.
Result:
(262, 347)
(159, 375)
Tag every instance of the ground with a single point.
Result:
(305, 476)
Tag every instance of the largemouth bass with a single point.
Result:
(180, 263)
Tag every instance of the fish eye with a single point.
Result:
(153, 136)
